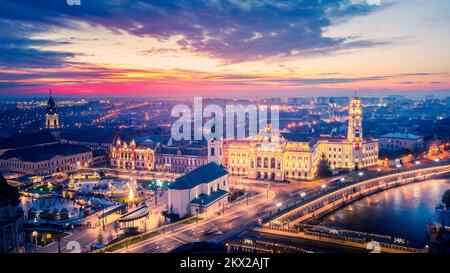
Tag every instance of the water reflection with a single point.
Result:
(402, 212)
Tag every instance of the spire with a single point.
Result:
(51, 105)
(51, 117)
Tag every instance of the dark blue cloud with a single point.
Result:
(231, 30)
(18, 50)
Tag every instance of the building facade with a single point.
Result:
(201, 191)
(275, 155)
(46, 159)
(271, 154)
(12, 235)
(394, 142)
(51, 115)
(158, 156)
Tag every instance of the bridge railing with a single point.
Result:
(352, 192)
(360, 241)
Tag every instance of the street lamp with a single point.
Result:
(279, 206)
(34, 234)
(303, 194)
(360, 174)
(323, 186)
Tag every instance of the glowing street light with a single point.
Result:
(279, 204)
(417, 162)
(34, 234)
(159, 183)
(303, 194)
(323, 186)
(342, 179)
(360, 174)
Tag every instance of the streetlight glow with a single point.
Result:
(131, 195)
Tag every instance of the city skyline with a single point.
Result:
(225, 48)
(226, 127)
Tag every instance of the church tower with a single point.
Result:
(51, 116)
(215, 151)
(354, 133)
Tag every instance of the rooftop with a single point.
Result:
(26, 140)
(207, 199)
(201, 175)
(42, 153)
(401, 136)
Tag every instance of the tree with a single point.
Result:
(323, 169)
(446, 198)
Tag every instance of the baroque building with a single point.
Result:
(51, 115)
(271, 154)
(42, 153)
(158, 155)
(276, 155)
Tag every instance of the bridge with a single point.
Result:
(340, 197)
(292, 222)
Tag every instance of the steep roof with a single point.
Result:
(201, 175)
(46, 152)
(51, 106)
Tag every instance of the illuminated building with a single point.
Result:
(42, 154)
(158, 155)
(201, 191)
(51, 116)
(275, 155)
(46, 159)
(271, 154)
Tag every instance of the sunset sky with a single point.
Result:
(246, 48)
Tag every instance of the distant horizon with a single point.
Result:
(370, 94)
(231, 49)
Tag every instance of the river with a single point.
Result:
(401, 212)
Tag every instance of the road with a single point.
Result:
(270, 201)
(83, 236)
(235, 220)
